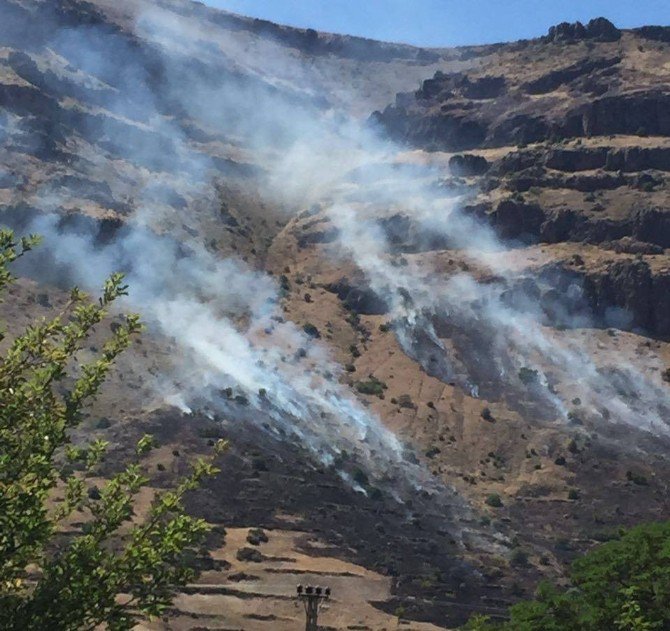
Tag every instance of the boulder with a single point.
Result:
(517, 220)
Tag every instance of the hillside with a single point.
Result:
(425, 293)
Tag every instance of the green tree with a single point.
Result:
(116, 568)
(622, 584)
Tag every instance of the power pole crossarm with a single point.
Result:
(312, 598)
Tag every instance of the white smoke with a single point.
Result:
(226, 317)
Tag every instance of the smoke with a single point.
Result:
(237, 355)
(236, 350)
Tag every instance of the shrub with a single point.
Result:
(311, 330)
(518, 558)
(528, 375)
(249, 554)
(636, 478)
(494, 500)
(256, 536)
(360, 477)
(432, 452)
(372, 387)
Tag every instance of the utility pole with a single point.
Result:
(312, 598)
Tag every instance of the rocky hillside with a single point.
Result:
(425, 293)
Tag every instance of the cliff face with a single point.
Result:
(492, 287)
(574, 124)
(585, 85)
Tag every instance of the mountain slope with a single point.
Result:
(444, 371)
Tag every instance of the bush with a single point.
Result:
(256, 536)
(360, 477)
(284, 283)
(636, 478)
(311, 330)
(528, 375)
(371, 387)
(494, 500)
(249, 554)
(432, 452)
(573, 494)
(518, 558)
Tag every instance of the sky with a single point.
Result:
(447, 22)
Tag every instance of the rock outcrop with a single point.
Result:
(600, 29)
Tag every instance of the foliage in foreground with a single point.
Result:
(114, 568)
(621, 585)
